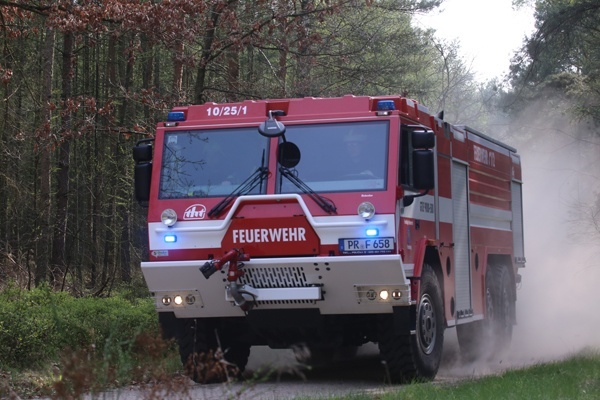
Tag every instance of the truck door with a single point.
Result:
(461, 235)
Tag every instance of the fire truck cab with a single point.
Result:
(322, 224)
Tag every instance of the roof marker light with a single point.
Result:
(386, 105)
(176, 116)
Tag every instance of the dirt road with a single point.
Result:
(277, 376)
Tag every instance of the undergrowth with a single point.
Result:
(56, 345)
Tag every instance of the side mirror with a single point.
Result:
(288, 154)
(423, 169)
(423, 139)
(142, 174)
(142, 153)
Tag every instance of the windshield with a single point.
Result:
(207, 163)
(339, 157)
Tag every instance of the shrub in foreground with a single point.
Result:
(37, 325)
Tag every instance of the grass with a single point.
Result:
(577, 377)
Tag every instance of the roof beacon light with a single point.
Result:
(385, 105)
(176, 116)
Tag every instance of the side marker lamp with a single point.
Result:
(166, 300)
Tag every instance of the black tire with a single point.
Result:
(490, 338)
(201, 356)
(417, 357)
(504, 306)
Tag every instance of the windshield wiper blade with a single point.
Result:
(245, 187)
(326, 205)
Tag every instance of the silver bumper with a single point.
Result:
(334, 285)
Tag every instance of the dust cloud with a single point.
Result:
(557, 314)
(557, 301)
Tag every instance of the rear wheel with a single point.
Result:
(504, 305)
(416, 357)
(489, 338)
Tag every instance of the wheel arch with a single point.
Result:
(426, 253)
(432, 258)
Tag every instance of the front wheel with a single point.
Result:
(416, 357)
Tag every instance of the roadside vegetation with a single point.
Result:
(59, 346)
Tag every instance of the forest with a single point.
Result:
(81, 81)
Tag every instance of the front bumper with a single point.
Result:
(333, 285)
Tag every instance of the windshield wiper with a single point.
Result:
(326, 205)
(245, 187)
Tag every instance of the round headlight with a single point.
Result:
(366, 210)
(168, 217)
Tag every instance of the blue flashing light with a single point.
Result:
(170, 239)
(372, 232)
(176, 116)
(386, 105)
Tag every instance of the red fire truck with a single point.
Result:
(325, 223)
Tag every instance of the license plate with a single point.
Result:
(382, 245)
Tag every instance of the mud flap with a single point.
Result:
(405, 320)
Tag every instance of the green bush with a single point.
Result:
(37, 325)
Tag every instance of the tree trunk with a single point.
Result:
(209, 38)
(233, 75)
(178, 71)
(123, 248)
(45, 203)
(59, 250)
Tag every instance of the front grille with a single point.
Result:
(274, 277)
(283, 302)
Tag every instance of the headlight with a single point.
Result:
(366, 210)
(168, 217)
